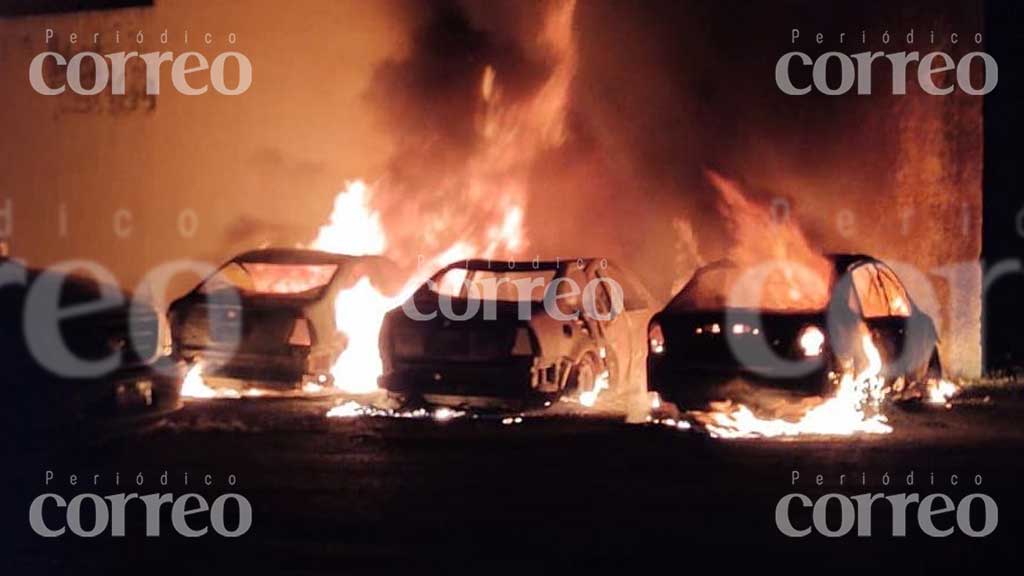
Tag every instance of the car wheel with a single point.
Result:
(913, 397)
(930, 371)
(934, 369)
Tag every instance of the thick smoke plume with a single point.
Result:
(598, 121)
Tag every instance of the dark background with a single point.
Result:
(1004, 311)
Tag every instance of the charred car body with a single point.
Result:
(80, 354)
(267, 317)
(473, 336)
(701, 343)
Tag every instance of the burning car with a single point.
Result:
(99, 362)
(718, 334)
(495, 334)
(267, 318)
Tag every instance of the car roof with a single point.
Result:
(510, 265)
(840, 261)
(295, 256)
(843, 261)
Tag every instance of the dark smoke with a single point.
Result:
(666, 90)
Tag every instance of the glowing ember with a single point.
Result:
(350, 409)
(854, 409)
(940, 391)
(195, 387)
(312, 388)
(655, 400)
(811, 341)
(353, 409)
(589, 397)
(442, 414)
(671, 423)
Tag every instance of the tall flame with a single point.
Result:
(490, 205)
(799, 279)
(354, 227)
(359, 311)
(484, 219)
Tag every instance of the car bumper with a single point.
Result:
(510, 379)
(694, 387)
(264, 370)
(118, 400)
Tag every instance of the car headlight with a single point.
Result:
(811, 341)
(655, 339)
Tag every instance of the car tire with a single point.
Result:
(919, 384)
(934, 368)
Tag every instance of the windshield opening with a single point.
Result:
(267, 279)
(779, 289)
(501, 285)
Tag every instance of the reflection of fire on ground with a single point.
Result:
(854, 408)
(381, 409)
(379, 406)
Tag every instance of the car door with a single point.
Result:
(886, 322)
(610, 292)
(917, 330)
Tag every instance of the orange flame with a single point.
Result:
(491, 204)
(854, 409)
(354, 227)
(194, 386)
(799, 279)
(359, 311)
(940, 391)
(589, 398)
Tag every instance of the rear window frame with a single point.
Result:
(311, 294)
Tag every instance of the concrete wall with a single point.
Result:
(687, 87)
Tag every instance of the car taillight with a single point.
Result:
(301, 333)
(523, 345)
(811, 341)
(655, 338)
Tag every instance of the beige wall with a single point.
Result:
(277, 153)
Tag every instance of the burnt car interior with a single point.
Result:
(267, 320)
